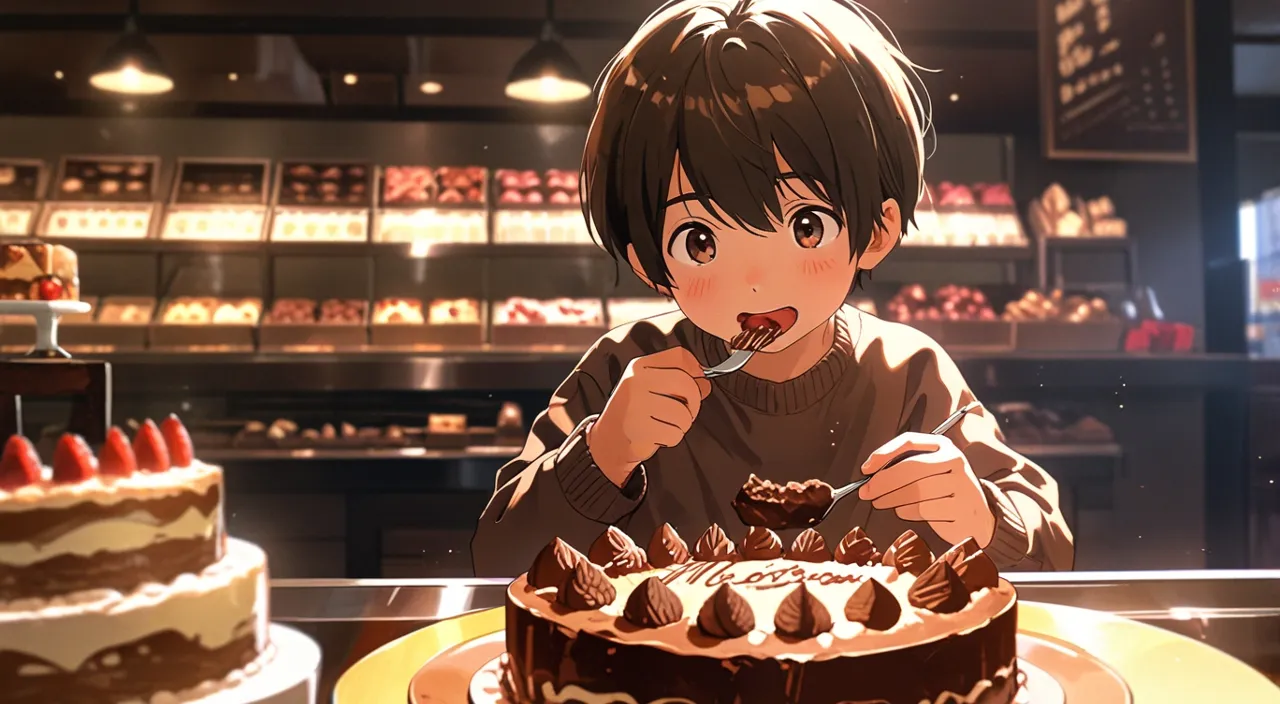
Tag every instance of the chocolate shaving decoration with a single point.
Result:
(974, 566)
(586, 588)
(726, 614)
(873, 605)
(908, 554)
(611, 544)
(553, 564)
(809, 546)
(653, 605)
(629, 562)
(761, 544)
(801, 615)
(939, 589)
(666, 548)
(715, 546)
(855, 548)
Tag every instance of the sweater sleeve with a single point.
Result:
(1031, 532)
(553, 489)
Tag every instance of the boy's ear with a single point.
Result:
(883, 239)
(634, 261)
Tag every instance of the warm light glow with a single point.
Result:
(548, 89)
(420, 249)
(132, 80)
(129, 106)
(430, 87)
(233, 77)
(351, 79)
(58, 75)
(955, 97)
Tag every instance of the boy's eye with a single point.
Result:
(693, 244)
(814, 227)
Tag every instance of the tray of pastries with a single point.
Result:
(308, 323)
(455, 322)
(309, 225)
(324, 184)
(398, 322)
(205, 322)
(116, 323)
(21, 181)
(17, 219)
(106, 221)
(214, 223)
(1056, 321)
(217, 182)
(421, 186)
(530, 189)
(623, 311)
(431, 226)
(960, 317)
(1057, 213)
(967, 215)
(107, 179)
(566, 226)
(562, 322)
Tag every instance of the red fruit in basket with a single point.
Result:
(73, 461)
(20, 465)
(177, 441)
(50, 289)
(149, 448)
(116, 458)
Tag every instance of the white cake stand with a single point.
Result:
(291, 677)
(47, 314)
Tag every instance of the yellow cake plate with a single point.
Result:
(1158, 665)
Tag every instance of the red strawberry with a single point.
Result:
(149, 448)
(116, 458)
(50, 290)
(20, 465)
(181, 453)
(73, 461)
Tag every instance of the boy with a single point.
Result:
(750, 159)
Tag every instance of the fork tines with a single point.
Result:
(755, 339)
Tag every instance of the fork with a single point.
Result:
(744, 345)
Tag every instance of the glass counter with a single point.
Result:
(1235, 611)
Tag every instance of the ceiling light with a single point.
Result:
(547, 73)
(351, 79)
(955, 97)
(131, 65)
(58, 75)
(233, 77)
(430, 87)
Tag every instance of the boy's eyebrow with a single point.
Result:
(683, 198)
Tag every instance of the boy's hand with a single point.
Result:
(653, 406)
(926, 478)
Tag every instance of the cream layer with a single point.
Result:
(132, 532)
(226, 601)
(196, 478)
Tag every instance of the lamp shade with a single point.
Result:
(547, 74)
(131, 66)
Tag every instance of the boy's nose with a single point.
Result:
(754, 277)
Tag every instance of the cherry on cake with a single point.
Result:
(117, 579)
(757, 622)
(39, 272)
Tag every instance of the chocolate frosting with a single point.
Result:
(939, 589)
(801, 615)
(553, 564)
(809, 546)
(667, 548)
(761, 502)
(873, 605)
(855, 548)
(761, 544)
(975, 567)
(653, 605)
(726, 614)
(909, 553)
(586, 588)
(161, 562)
(611, 544)
(629, 562)
(715, 546)
(43, 525)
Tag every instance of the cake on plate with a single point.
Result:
(754, 623)
(118, 582)
(39, 272)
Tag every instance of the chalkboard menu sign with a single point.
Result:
(1117, 79)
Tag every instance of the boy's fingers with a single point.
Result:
(893, 450)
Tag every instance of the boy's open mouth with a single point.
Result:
(782, 319)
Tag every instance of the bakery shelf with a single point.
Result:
(975, 253)
(353, 454)
(1089, 242)
(1071, 451)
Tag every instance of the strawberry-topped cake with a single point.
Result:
(117, 580)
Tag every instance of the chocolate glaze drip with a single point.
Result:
(809, 546)
(801, 615)
(726, 614)
(165, 661)
(715, 546)
(123, 571)
(909, 553)
(653, 605)
(666, 548)
(761, 544)
(553, 564)
(874, 606)
(939, 589)
(586, 588)
(855, 548)
(611, 544)
(43, 525)
(974, 566)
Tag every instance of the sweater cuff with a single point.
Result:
(1010, 545)
(586, 487)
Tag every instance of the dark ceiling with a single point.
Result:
(288, 55)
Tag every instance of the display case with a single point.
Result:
(103, 198)
(425, 206)
(218, 200)
(22, 185)
(322, 202)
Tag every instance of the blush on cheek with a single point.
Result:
(695, 286)
(816, 265)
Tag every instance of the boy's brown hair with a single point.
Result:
(726, 86)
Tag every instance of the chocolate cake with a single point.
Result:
(759, 624)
